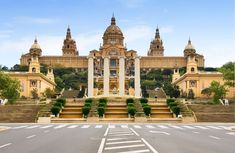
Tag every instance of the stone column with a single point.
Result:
(90, 76)
(106, 76)
(121, 76)
(137, 77)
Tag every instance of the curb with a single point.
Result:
(3, 128)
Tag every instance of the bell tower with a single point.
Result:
(156, 46)
(69, 48)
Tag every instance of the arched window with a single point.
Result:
(192, 69)
(34, 70)
(67, 46)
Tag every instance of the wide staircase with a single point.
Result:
(116, 110)
(19, 113)
(160, 110)
(72, 110)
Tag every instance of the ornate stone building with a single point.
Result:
(113, 66)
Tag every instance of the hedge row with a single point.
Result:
(60, 102)
(145, 106)
(173, 106)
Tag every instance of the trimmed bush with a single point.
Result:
(102, 100)
(132, 111)
(147, 110)
(61, 100)
(143, 100)
(102, 104)
(55, 110)
(173, 104)
(101, 111)
(88, 100)
(85, 110)
(144, 104)
(87, 105)
(58, 104)
(130, 105)
(168, 101)
(129, 100)
(176, 110)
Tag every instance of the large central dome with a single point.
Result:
(113, 34)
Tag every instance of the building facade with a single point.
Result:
(113, 69)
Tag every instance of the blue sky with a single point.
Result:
(209, 23)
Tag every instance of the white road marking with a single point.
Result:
(231, 133)
(19, 127)
(223, 127)
(201, 127)
(136, 151)
(101, 146)
(134, 132)
(217, 138)
(32, 127)
(195, 132)
(111, 126)
(113, 135)
(98, 126)
(188, 127)
(121, 147)
(163, 126)
(121, 142)
(214, 127)
(124, 126)
(106, 132)
(114, 139)
(31, 136)
(150, 147)
(162, 132)
(45, 127)
(120, 132)
(137, 126)
(176, 127)
(72, 126)
(150, 126)
(85, 126)
(8, 144)
(60, 126)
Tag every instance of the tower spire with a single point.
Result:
(68, 35)
(157, 34)
(113, 20)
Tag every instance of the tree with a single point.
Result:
(9, 88)
(171, 90)
(218, 90)
(34, 93)
(49, 93)
(206, 92)
(228, 72)
(190, 94)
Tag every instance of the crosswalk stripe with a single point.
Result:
(163, 126)
(176, 127)
(98, 126)
(111, 126)
(189, 127)
(137, 126)
(136, 151)
(20, 127)
(45, 127)
(85, 126)
(150, 126)
(114, 139)
(124, 126)
(201, 127)
(121, 142)
(60, 126)
(72, 126)
(214, 127)
(32, 127)
(121, 147)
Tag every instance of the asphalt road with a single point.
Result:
(117, 137)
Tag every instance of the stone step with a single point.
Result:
(116, 115)
(77, 109)
(162, 115)
(71, 115)
(115, 110)
(160, 110)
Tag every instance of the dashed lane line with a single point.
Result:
(213, 127)
(217, 138)
(98, 126)
(150, 126)
(231, 133)
(20, 127)
(201, 127)
(32, 127)
(60, 126)
(122, 147)
(189, 127)
(136, 151)
(72, 126)
(31, 136)
(8, 144)
(45, 127)
(85, 126)
(163, 127)
(161, 132)
(137, 126)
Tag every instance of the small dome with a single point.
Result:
(35, 45)
(189, 46)
(113, 28)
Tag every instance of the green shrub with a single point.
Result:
(87, 105)
(88, 100)
(61, 100)
(130, 105)
(58, 104)
(102, 100)
(129, 100)
(173, 104)
(85, 110)
(168, 101)
(176, 110)
(147, 110)
(143, 100)
(55, 110)
(101, 111)
(144, 104)
(102, 104)
(132, 111)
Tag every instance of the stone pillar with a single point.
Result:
(90, 76)
(137, 77)
(106, 76)
(121, 76)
